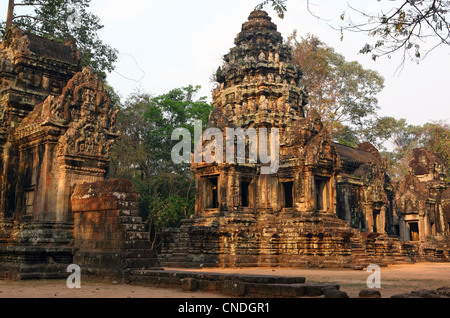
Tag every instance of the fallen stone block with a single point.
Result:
(369, 293)
(334, 293)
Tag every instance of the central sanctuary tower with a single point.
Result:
(325, 205)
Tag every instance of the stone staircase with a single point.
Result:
(138, 246)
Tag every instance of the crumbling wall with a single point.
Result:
(110, 237)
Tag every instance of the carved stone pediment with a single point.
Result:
(83, 115)
(86, 108)
(411, 196)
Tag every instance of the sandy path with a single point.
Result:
(394, 280)
(58, 289)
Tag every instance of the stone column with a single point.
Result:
(310, 199)
(368, 213)
(382, 221)
(332, 196)
(423, 228)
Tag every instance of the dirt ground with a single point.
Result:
(394, 280)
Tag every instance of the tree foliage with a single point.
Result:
(278, 5)
(143, 154)
(343, 92)
(436, 136)
(61, 19)
(412, 27)
(397, 139)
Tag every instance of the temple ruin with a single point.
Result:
(423, 205)
(327, 205)
(56, 132)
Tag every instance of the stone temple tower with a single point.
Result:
(259, 86)
(325, 204)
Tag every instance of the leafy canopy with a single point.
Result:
(61, 19)
(412, 27)
(397, 139)
(143, 154)
(343, 92)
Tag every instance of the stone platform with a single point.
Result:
(234, 285)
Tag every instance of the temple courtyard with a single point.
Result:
(395, 279)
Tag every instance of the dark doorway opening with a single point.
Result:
(288, 189)
(212, 201)
(376, 216)
(245, 194)
(414, 232)
(397, 230)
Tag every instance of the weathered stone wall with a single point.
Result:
(279, 241)
(110, 237)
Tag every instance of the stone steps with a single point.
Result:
(138, 246)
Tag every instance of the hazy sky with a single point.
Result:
(173, 43)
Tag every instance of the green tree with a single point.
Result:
(278, 5)
(397, 133)
(343, 92)
(143, 154)
(436, 136)
(396, 138)
(61, 19)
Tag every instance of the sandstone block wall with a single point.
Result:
(109, 234)
(102, 212)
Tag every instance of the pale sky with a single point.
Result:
(173, 43)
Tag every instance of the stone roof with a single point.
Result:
(50, 49)
(30, 44)
(258, 84)
(355, 155)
